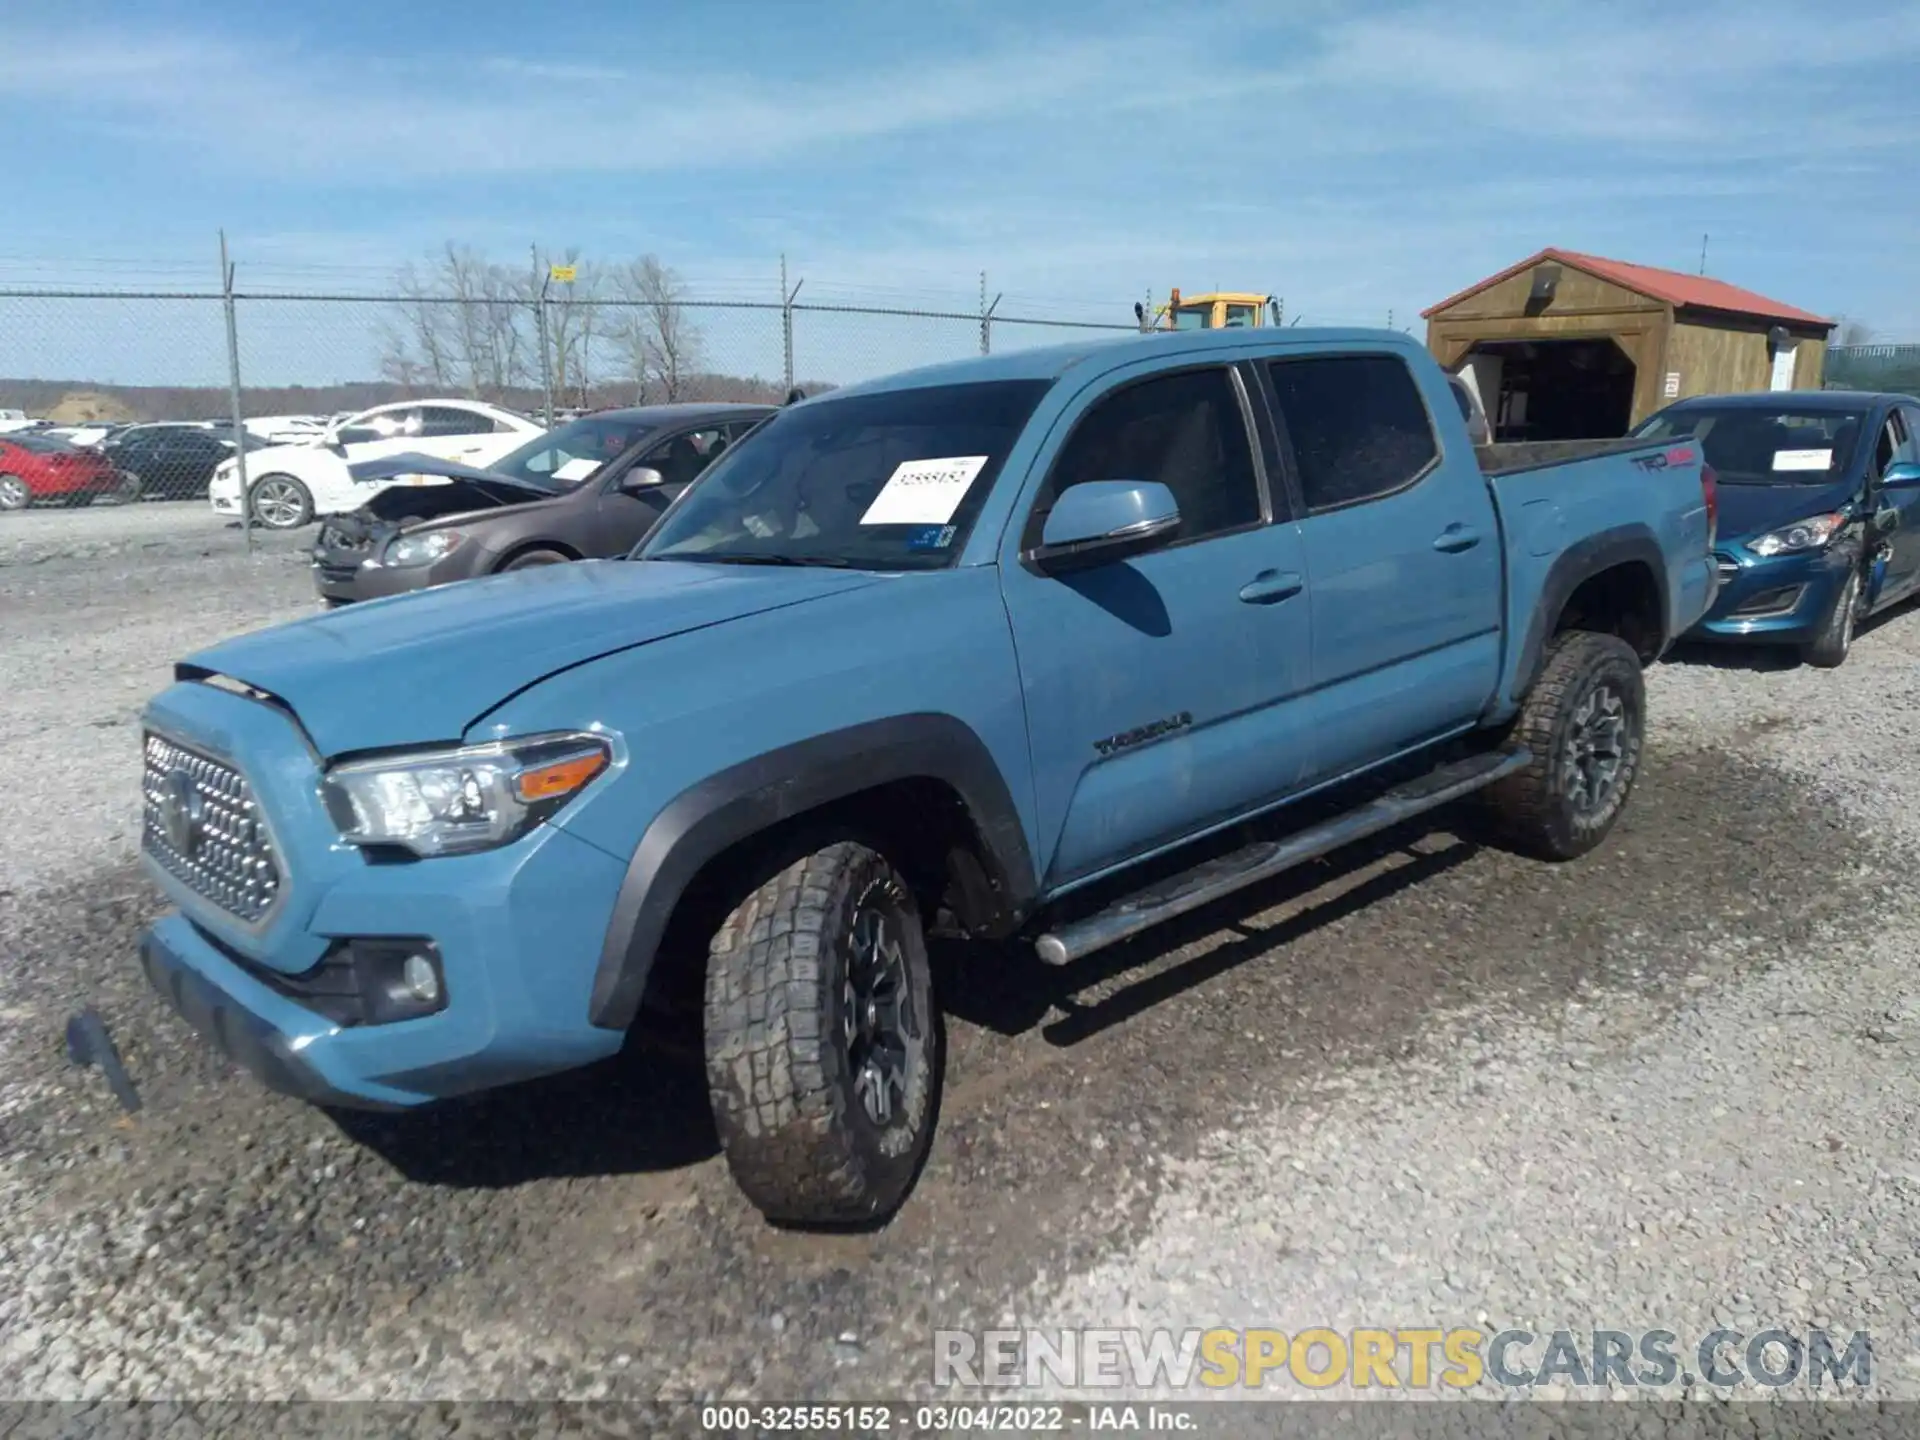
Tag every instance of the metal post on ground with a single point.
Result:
(233, 384)
(787, 298)
(545, 277)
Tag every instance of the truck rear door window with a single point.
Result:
(1356, 424)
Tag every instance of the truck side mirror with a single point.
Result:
(1100, 522)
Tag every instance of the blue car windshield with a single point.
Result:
(1765, 445)
(886, 481)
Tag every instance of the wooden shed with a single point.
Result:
(1565, 346)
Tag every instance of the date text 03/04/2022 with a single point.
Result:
(942, 1419)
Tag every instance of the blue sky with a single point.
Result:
(1360, 159)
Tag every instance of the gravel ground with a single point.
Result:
(99, 603)
(1421, 1083)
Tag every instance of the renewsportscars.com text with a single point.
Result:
(1398, 1358)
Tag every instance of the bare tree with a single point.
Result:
(661, 343)
(460, 326)
(415, 349)
(471, 324)
(1853, 332)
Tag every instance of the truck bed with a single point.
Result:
(1517, 455)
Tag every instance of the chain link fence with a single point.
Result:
(90, 361)
(1873, 367)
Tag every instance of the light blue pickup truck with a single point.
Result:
(961, 650)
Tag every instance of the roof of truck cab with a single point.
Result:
(1050, 362)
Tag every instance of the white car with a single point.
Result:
(81, 437)
(286, 429)
(291, 484)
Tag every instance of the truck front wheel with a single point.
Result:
(1585, 722)
(823, 1044)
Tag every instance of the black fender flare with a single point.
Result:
(747, 799)
(1577, 564)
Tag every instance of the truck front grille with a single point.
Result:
(203, 827)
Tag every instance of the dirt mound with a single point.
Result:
(81, 406)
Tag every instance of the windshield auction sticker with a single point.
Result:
(924, 492)
(1802, 459)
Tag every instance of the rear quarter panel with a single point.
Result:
(1563, 522)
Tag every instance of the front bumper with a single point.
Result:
(346, 569)
(340, 581)
(239, 1032)
(518, 932)
(1780, 599)
(223, 494)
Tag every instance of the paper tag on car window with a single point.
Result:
(576, 469)
(924, 492)
(1802, 459)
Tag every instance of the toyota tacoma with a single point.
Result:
(1011, 648)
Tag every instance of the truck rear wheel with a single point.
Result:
(1585, 722)
(823, 1044)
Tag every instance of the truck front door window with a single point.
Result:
(1184, 431)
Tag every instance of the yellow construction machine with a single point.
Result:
(1220, 310)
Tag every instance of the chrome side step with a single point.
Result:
(1212, 879)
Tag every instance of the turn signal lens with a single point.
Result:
(562, 777)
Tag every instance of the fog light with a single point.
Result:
(419, 979)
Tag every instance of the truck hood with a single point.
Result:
(1750, 511)
(422, 668)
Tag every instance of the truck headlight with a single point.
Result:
(423, 549)
(454, 802)
(1813, 533)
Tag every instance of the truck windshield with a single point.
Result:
(1192, 317)
(887, 481)
(1765, 445)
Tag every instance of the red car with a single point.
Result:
(33, 469)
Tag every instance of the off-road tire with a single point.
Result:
(301, 497)
(1830, 647)
(539, 555)
(799, 1139)
(1537, 810)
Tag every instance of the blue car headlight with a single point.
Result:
(457, 801)
(1813, 533)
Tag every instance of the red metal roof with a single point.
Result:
(1672, 286)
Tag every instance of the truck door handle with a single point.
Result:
(1271, 586)
(1455, 538)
